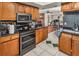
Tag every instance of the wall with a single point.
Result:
(56, 11)
(71, 18)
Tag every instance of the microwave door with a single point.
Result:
(23, 18)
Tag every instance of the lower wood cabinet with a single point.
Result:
(37, 36)
(10, 47)
(45, 32)
(65, 43)
(41, 34)
(69, 43)
(75, 45)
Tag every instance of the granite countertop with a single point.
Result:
(71, 31)
(8, 34)
(39, 28)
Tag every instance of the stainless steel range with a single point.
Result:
(27, 34)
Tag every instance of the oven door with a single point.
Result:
(27, 43)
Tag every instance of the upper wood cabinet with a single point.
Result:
(65, 43)
(20, 8)
(28, 9)
(8, 11)
(32, 12)
(36, 14)
(0, 10)
(72, 6)
(76, 5)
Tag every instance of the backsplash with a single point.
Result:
(7, 22)
(71, 19)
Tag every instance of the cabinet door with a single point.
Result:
(0, 10)
(8, 11)
(46, 32)
(76, 5)
(65, 43)
(37, 36)
(20, 8)
(28, 9)
(36, 14)
(10, 48)
(41, 35)
(67, 7)
(33, 13)
(75, 46)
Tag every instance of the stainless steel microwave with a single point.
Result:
(24, 18)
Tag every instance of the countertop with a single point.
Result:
(71, 31)
(40, 28)
(8, 34)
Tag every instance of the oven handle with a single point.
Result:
(27, 35)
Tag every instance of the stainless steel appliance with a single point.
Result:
(27, 34)
(27, 41)
(27, 38)
(23, 18)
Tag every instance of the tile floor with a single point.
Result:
(44, 49)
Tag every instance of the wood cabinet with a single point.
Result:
(71, 6)
(32, 12)
(8, 11)
(76, 6)
(10, 47)
(75, 45)
(35, 13)
(20, 8)
(5, 39)
(45, 33)
(41, 34)
(27, 9)
(37, 36)
(0, 10)
(65, 43)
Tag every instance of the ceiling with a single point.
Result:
(43, 3)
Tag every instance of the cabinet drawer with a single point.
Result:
(15, 36)
(4, 39)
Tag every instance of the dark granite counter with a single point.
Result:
(8, 34)
(71, 31)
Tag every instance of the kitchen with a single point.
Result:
(39, 29)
